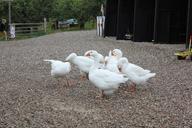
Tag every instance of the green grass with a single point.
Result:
(30, 35)
(90, 25)
(2, 38)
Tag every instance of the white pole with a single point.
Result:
(45, 24)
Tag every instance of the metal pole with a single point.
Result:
(9, 12)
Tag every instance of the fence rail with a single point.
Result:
(27, 23)
(29, 28)
(25, 31)
(18, 28)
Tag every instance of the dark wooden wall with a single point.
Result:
(125, 18)
(189, 22)
(172, 19)
(163, 21)
(144, 20)
(111, 18)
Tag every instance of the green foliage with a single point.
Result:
(30, 35)
(90, 25)
(3, 10)
(36, 10)
(31, 11)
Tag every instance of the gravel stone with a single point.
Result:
(31, 98)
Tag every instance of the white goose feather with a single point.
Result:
(101, 57)
(59, 68)
(111, 61)
(82, 62)
(104, 79)
(136, 74)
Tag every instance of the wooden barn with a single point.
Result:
(159, 21)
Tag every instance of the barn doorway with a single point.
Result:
(125, 18)
(111, 18)
(144, 20)
(172, 20)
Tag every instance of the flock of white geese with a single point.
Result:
(105, 73)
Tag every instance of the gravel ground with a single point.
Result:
(29, 97)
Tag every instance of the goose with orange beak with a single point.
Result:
(112, 60)
(108, 82)
(83, 63)
(101, 57)
(136, 74)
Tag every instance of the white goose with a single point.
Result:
(117, 53)
(83, 63)
(101, 57)
(104, 79)
(111, 61)
(136, 74)
(59, 69)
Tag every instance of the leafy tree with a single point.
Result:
(36, 10)
(83, 10)
(3, 9)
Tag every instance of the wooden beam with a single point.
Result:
(189, 22)
(134, 20)
(155, 40)
(111, 18)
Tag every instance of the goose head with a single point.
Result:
(87, 53)
(122, 61)
(71, 57)
(96, 56)
(117, 53)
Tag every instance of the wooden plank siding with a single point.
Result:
(111, 21)
(158, 21)
(189, 22)
(125, 18)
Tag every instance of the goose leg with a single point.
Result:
(67, 80)
(58, 81)
(82, 76)
(87, 76)
(133, 88)
(102, 95)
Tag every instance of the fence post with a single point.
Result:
(31, 30)
(12, 31)
(98, 28)
(45, 24)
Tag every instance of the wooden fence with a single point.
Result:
(29, 28)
